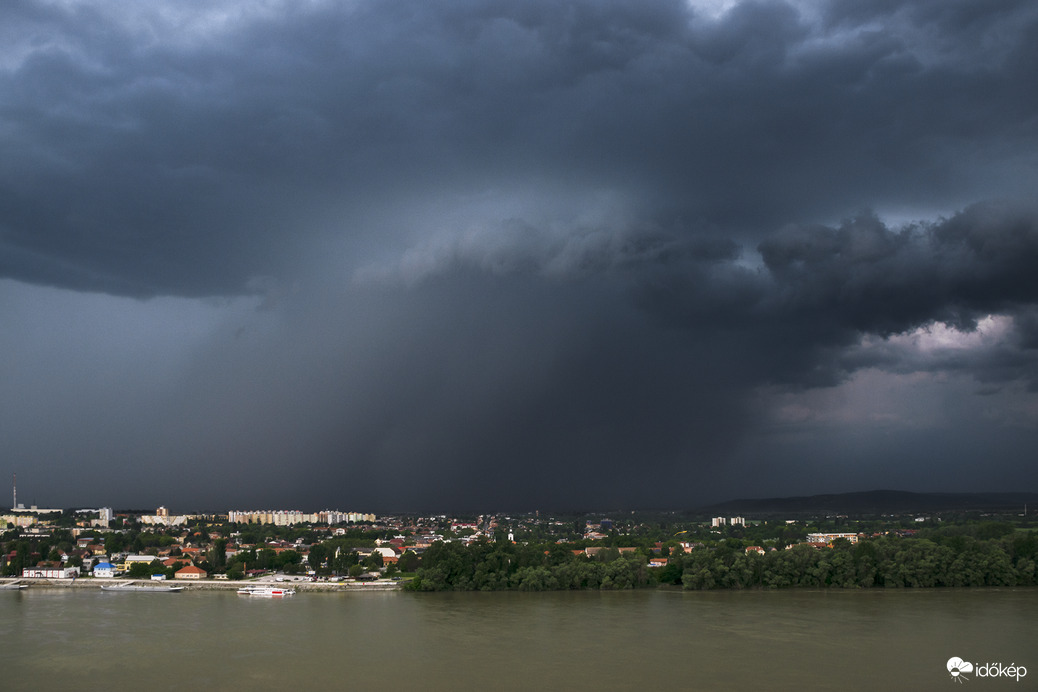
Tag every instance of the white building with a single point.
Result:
(105, 570)
(162, 517)
(283, 517)
(830, 537)
(22, 520)
(50, 572)
(105, 515)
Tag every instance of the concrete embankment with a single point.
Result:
(201, 584)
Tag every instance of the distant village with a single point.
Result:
(160, 546)
(332, 545)
(526, 551)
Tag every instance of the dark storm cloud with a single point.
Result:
(800, 317)
(823, 288)
(882, 281)
(637, 359)
(508, 251)
(148, 157)
(472, 391)
(863, 278)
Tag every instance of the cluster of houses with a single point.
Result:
(192, 548)
(95, 561)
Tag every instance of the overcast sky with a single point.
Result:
(487, 254)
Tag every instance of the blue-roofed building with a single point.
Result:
(104, 569)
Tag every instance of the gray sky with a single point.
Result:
(453, 254)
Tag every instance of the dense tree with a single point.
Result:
(500, 566)
(318, 554)
(373, 561)
(218, 555)
(408, 562)
(115, 543)
(143, 570)
(344, 560)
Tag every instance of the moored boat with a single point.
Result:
(142, 589)
(265, 591)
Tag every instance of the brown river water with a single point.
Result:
(644, 640)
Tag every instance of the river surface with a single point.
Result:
(643, 640)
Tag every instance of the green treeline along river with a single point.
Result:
(792, 639)
(950, 559)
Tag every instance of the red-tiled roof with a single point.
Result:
(191, 569)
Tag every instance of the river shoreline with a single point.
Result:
(12, 583)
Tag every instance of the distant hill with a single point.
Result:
(876, 502)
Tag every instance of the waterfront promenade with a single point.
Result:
(202, 584)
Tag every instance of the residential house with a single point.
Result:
(828, 538)
(388, 555)
(105, 570)
(190, 572)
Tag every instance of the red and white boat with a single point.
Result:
(274, 592)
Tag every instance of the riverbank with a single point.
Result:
(201, 584)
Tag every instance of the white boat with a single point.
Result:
(265, 591)
(142, 589)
